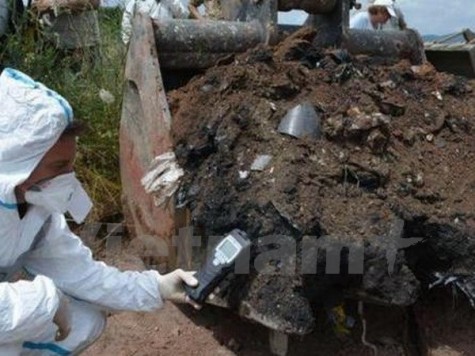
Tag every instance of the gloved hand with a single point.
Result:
(62, 319)
(171, 286)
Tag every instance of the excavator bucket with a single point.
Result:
(453, 58)
(454, 54)
(163, 55)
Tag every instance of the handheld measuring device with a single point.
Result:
(218, 265)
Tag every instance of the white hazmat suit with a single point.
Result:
(32, 118)
(156, 9)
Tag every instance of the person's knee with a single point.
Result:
(96, 320)
(88, 324)
(98, 325)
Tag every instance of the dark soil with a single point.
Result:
(397, 144)
(446, 328)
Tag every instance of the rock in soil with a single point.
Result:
(373, 166)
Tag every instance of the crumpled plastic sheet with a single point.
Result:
(163, 178)
(465, 283)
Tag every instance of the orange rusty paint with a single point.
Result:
(144, 134)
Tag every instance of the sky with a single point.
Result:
(434, 17)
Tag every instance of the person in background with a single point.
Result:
(156, 9)
(60, 308)
(379, 14)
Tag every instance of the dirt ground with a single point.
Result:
(447, 328)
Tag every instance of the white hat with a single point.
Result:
(388, 4)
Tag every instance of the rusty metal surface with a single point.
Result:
(330, 27)
(456, 58)
(457, 47)
(392, 44)
(194, 60)
(144, 134)
(175, 36)
(185, 44)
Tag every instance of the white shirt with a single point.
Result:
(162, 9)
(361, 21)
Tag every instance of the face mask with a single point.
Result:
(61, 194)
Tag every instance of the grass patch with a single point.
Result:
(80, 83)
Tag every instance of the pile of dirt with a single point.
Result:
(397, 145)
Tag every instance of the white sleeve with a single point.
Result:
(26, 309)
(126, 30)
(64, 258)
(360, 21)
(177, 8)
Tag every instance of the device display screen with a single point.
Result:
(229, 249)
(219, 263)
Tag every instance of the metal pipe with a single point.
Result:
(397, 44)
(177, 36)
(406, 44)
(198, 44)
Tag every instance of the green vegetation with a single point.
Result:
(80, 83)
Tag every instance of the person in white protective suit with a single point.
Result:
(61, 309)
(156, 9)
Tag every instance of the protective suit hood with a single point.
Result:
(32, 118)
